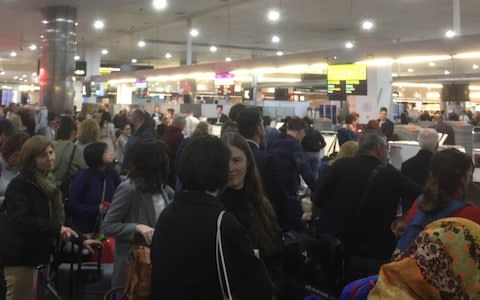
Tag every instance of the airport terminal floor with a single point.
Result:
(247, 150)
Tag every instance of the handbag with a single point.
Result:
(220, 258)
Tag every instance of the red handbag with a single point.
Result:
(107, 253)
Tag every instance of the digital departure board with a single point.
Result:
(344, 80)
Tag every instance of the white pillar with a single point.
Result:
(124, 93)
(379, 85)
(93, 58)
(457, 17)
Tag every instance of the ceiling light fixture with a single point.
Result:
(13, 54)
(213, 49)
(194, 32)
(2, 73)
(475, 67)
(34, 74)
(159, 4)
(368, 25)
(431, 64)
(15, 77)
(279, 53)
(450, 34)
(410, 70)
(228, 59)
(467, 55)
(349, 45)
(134, 60)
(98, 24)
(141, 44)
(447, 72)
(33, 47)
(273, 15)
(168, 55)
(45, 22)
(104, 51)
(76, 57)
(416, 59)
(24, 75)
(275, 39)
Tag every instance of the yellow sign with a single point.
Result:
(347, 72)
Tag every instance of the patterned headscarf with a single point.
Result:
(443, 263)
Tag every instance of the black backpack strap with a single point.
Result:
(368, 188)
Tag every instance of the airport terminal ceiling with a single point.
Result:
(240, 29)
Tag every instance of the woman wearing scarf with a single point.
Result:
(442, 263)
(33, 219)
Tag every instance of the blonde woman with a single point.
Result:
(88, 132)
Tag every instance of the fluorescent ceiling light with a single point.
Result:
(168, 55)
(410, 70)
(431, 64)
(194, 32)
(368, 25)
(76, 57)
(33, 47)
(382, 61)
(467, 55)
(417, 85)
(349, 45)
(213, 48)
(475, 67)
(104, 51)
(141, 44)
(13, 54)
(450, 34)
(275, 39)
(228, 59)
(447, 72)
(134, 60)
(422, 59)
(159, 4)
(98, 24)
(279, 53)
(273, 15)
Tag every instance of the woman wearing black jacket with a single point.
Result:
(33, 218)
(184, 244)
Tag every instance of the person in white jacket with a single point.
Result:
(191, 123)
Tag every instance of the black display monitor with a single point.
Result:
(456, 92)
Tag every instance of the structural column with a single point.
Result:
(57, 60)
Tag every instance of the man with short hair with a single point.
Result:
(141, 132)
(442, 127)
(292, 163)
(417, 168)
(173, 136)
(367, 192)
(221, 117)
(191, 123)
(386, 125)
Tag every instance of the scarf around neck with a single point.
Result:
(54, 195)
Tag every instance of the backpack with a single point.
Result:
(359, 289)
(421, 219)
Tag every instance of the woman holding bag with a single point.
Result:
(137, 203)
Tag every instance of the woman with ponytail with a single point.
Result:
(444, 196)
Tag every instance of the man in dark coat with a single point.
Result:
(142, 131)
(292, 163)
(442, 127)
(386, 125)
(417, 168)
(369, 192)
(173, 136)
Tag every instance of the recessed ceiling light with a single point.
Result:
(475, 67)
(275, 39)
(213, 49)
(98, 24)
(34, 74)
(394, 74)
(15, 77)
(168, 55)
(194, 32)
(2, 73)
(13, 54)
(450, 34)
(24, 75)
(45, 22)
(141, 44)
(76, 57)
(104, 51)
(335, 57)
(368, 25)
(410, 70)
(431, 64)
(159, 4)
(447, 72)
(228, 59)
(349, 45)
(134, 60)
(42, 36)
(273, 15)
(33, 47)
(279, 53)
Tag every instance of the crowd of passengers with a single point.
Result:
(165, 178)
